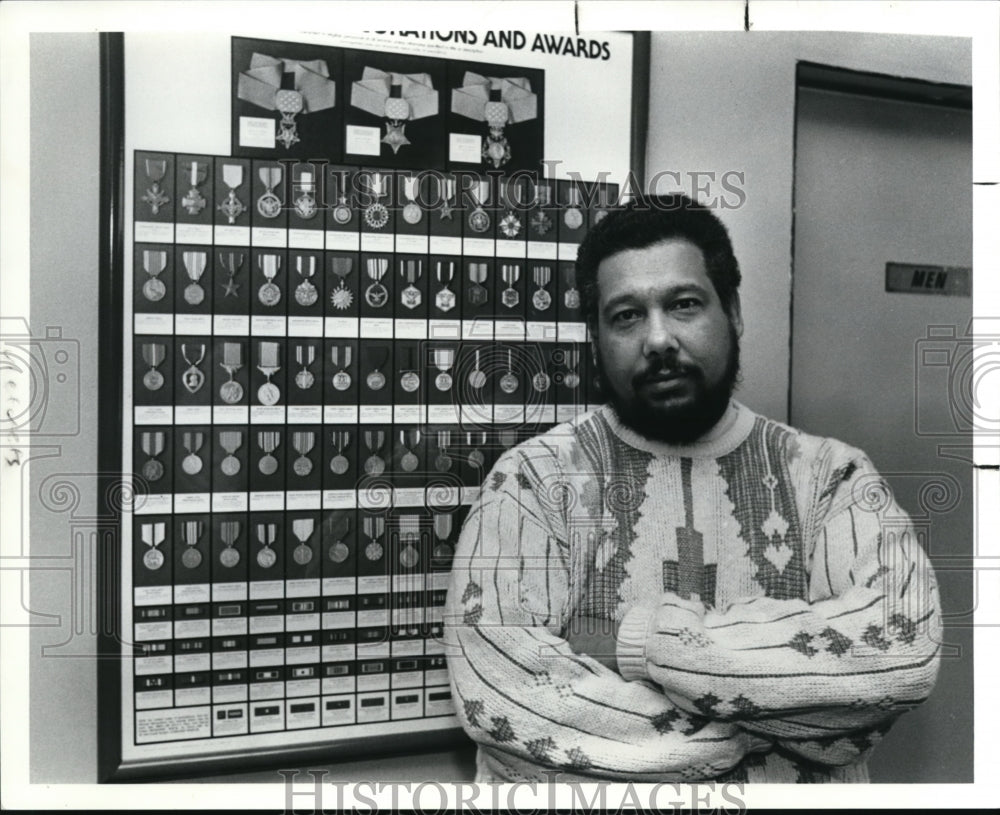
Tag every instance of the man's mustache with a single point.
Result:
(661, 369)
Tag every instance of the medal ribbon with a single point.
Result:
(380, 357)
(153, 534)
(374, 440)
(156, 169)
(446, 189)
(196, 362)
(230, 441)
(232, 356)
(341, 267)
(193, 442)
(451, 273)
(480, 193)
(229, 531)
(194, 264)
(335, 356)
(152, 444)
(268, 441)
(413, 272)
(305, 182)
(375, 183)
(374, 527)
(342, 439)
(444, 439)
(408, 359)
(310, 355)
(153, 353)
(510, 274)
(573, 197)
(444, 358)
(270, 176)
(442, 525)
(303, 528)
(267, 533)
(154, 261)
(377, 268)
(338, 527)
(312, 266)
(478, 272)
(232, 176)
(268, 352)
(569, 277)
(196, 173)
(543, 195)
(410, 188)
(191, 532)
(261, 83)
(269, 265)
(232, 261)
(542, 276)
(303, 441)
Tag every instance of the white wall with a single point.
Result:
(726, 101)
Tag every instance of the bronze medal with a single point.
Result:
(269, 205)
(412, 213)
(304, 379)
(302, 554)
(339, 552)
(302, 466)
(268, 394)
(154, 290)
(443, 381)
(152, 379)
(152, 470)
(266, 557)
(153, 559)
(479, 221)
(508, 383)
(375, 380)
(541, 300)
(541, 381)
(191, 558)
(230, 466)
(306, 294)
(229, 557)
(191, 464)
(374, 465)
(373, 551)
(231, 392)
(268, 464)
(339, 464)
(269, 294)
(409, 381)
(194, 294)
(376, 295)
(342, 380)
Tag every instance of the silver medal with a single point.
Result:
(305, 206)
(410, 296)
(477, 379)
(573, 218)
(508, 383)
(541, 300)
(231, 392)
(302, 554)
(229, 557)
(302, 466)
(409, 382)
(571, 380)
(269, 294)
(374, 465)
(572, 299)
(339, 464)
(341, 297)
(375, 380)
(230, 466)
(373, 551)
(191, 558)
(154, 289)
(540, 381)
(153, 380)
(409, 556)
(268, 464)
(152, 470)
(266, 557)
(412, 213)
(306, 294)
(376, 216)
(269, 205)
(341, 380)
(376, 295)
(268, 394)
(339, 552)
(342, 214)
(153, 559)
(409, 462)
(191, 464)
(445, 300)
(510, 297)
(443, 381)
(479, 221)
(194, 294)
(304, 379)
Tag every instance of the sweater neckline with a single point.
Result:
(727, 434)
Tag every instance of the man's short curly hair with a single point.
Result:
(647, 220)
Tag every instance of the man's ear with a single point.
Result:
(736, 314)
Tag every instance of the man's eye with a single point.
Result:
(685, 304)
(626, 316)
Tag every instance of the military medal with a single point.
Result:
(497, 114)
(442, 531)
(509, 382)
(341, 297)
(339, 551)
(192, 463)
(268, 393)
(571, 297)
(476, 292)
(445, 298)
(339, 463)
(190, 534)
(476, 457)
(374, 528)
(573, 216)
(305, 293)
(231, 392)
(446, 189)
(376, 295)
(231, 206)
(510, 225)
(408, 555)
(229, 532)
(373, 551)
(540, 381)
(152, 445)
(269, 205)
(572, 378)
(268, 441)
(510, 274)
(442, 461)
(479, 220)
(444, 358)
(374, 439)
(412, 213)
(376, 379)
(231, 261)
(230, 441)
(305, 203)
(397, 111)
(304, 378)
(156, 169)
(153, 354)
(341, 379)
(410, 296)
(194, 265)
(269, 264)
(375, 214)
(476, 377)
(541, 299)
(266, 536)
(303, 529)
(303, 442)
(410, 380)
(153, 535)
(153, 263)
(409, 439)
(341, 211)
(194, 202)
(541, 223)
(193, 378)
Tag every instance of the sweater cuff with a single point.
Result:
(631, 645)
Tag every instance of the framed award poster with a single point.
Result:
(334, 303)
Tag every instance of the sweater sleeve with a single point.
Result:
(825, 676)
(521, 691)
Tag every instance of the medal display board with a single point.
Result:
(325, 357)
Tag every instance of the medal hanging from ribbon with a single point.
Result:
(445, 298)
(376, 379)
(442, 461)
(541, 222)
(573, 215)
(304, 357)
(269, 205)
(154, 261)
(192, 462)
(231, 391)
(152, 445)
(194, 202)
(412, 213)
(572, 378)
(510, 273)
(409, 380)
(341, 297)
(509, 382)
(541, 299)
(510, 223)
(479, 219)
(446, 192)
(341, 379)
(476, 441)
(229, 533)
(191, 533)
(230, 441)
(153, 535)
(303, 442)
(413, 271)
(269, 264)
(288, 86)
(375, 214)
(231, 206)
(302, 529)
(231, 262)
(409, 537)
(374, 464)
(340, 464)
(305, 293)
(267, 534)
(374, 529)
(305, 201)
(342, 214)
(498, 101)
(571, 297)
(477, 379)
(376, 295)
(409, 439)
(153, 354)
(193, 378)
(399, 98)
(156, 169)
(268, 441)
(443, 550)
(444, 358)
(194, 265)
(337, 529)
(268, 393)
(477, 292)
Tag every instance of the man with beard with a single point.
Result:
(672, 587)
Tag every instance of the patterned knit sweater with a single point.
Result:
(776, 612)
